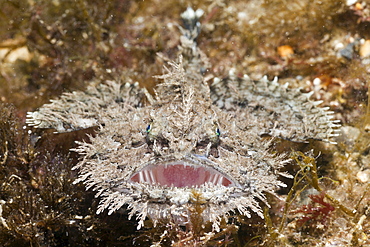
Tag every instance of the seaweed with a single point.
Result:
(318, 211)
(39, 205)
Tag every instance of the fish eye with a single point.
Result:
(148, 128)
(218, 133)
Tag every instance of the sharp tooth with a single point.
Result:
(152, 177)
(141, 177)
(210, 178)
(147, 177)
(215, 179)
(220, 180)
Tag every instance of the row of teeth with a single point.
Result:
(146, 176)
(216, 179)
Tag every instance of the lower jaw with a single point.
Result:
(181, 174)
(163, 196)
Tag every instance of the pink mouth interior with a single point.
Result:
(180, 175)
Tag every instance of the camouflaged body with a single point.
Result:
(218, 126)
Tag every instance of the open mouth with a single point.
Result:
(181, 174)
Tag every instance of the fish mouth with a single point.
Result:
(181, 174)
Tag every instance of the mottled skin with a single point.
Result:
(215, 128)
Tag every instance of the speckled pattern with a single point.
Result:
(215, 129)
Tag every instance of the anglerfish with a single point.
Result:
(191, 142)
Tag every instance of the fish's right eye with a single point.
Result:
(148, 128)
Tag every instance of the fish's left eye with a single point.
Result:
(218, 133)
